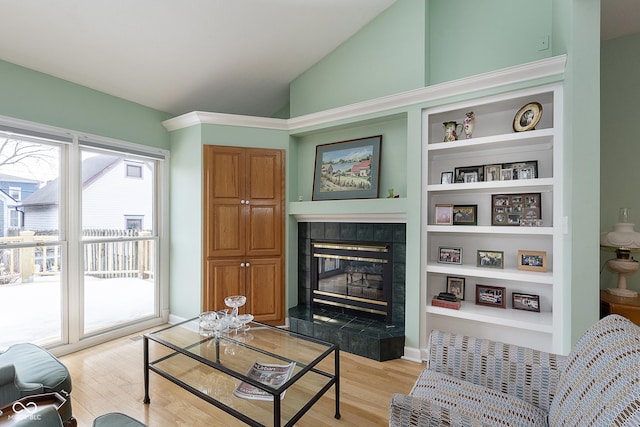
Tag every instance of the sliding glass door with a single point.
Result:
(33, 243)
(80, 237)
(119, 238)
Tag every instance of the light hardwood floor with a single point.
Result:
(109, 378)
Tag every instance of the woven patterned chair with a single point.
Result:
(475, 382)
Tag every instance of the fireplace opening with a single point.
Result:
(353, 278)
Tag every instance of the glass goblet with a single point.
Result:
(244, 319)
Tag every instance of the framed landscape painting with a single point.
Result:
(347, 169)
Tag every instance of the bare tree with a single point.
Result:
(28, 157)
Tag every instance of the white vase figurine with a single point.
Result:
(469, 124)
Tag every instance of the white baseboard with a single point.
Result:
(412, 354)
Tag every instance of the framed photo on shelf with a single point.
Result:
(490, 259)
(492, 172)
(506, 174)
(492, 296)
(468, 174)
(446, 178)
(465, 215)
(532, 260)
(525, 302)
(523, 170)
(511, 209)
(527, 117)
(444, 214)
(347, 169)
(450, 255)
(455, 285)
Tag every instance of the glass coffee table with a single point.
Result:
(215, 368)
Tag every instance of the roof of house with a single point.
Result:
(92, 168)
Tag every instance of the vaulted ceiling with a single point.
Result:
(230, 56)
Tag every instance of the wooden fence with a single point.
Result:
(111, 259)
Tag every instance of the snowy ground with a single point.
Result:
(31, 312)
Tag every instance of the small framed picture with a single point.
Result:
(444, 214)
(527, 117)
(468, 174)
(446, 178)
(455, 285)
(450, 255)
(525, 302)
(523, 170)
(532, 260)
(465, 215)
(492, 296)
(490, 259)
(492, 172)
(506, 174)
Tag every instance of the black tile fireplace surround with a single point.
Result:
(359, 335)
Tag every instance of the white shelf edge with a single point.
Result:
(487, 141)
(530, 321)
(493, 273)
(489, 229)
(545, 184)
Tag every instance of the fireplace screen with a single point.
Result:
(353, 277)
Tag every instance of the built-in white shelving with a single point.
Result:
(494, 142)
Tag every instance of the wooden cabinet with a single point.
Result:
(243, 229)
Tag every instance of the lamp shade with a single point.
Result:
(623, 236)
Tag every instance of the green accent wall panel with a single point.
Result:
(470, 37)
(385, 57)
(36, 97)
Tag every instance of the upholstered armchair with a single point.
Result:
(27, 369)
(477, 382)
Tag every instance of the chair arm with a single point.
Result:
(11, 388)
(528, 374)
(406, 410)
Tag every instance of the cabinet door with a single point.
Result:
(224, 196)
(264, 202)
(265, 290)
(222, 278)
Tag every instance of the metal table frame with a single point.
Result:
(334, 379)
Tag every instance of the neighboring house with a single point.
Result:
(13, 189)
(116, 194)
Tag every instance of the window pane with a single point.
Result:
(119, 249)
(31, 258)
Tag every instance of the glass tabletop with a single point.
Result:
(220, 368)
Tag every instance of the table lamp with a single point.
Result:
(623, 239)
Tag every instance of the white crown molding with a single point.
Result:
(201, 117)
(511, 75)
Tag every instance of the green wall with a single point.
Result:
(186, 204)
(29, 95)
(385, 57)
(620, 92)
(576, 29)
(419, 42)
(473, 37)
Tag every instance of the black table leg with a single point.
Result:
(146, 370)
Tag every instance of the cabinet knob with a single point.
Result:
(242, 202)
(246, 202)
(247, 264)
(242, 264)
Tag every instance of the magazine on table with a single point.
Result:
(267, 373)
